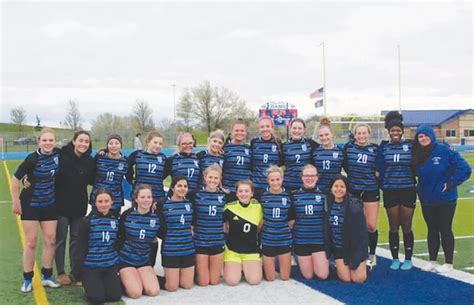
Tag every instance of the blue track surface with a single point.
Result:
(385, 286)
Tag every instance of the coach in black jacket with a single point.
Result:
(76, 172)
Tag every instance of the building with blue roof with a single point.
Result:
(451, 126)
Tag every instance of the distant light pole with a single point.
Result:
(174, 102)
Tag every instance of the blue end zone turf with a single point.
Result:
(385, 286)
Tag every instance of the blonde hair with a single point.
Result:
(309, 166)
(46, 130)
(212, 168)
(274, 169)
(267, 118)
(361, 125)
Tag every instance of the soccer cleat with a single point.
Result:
(395, 265)
(50, 282)
(27, 286)
(407, 265)
(444, 268)
(429, 267)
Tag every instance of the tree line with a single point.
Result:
(204, 107)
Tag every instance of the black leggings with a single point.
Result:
(101, 284)
(439, 220)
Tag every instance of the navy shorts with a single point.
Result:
(336, 253)
(46, 213)
(308, 249)
(178, 261)
(272, 251)
(209, 250)
(396, 197)
(367, 196)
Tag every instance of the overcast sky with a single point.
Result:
(106, 55)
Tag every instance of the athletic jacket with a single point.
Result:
(443, 168)
(354, 231)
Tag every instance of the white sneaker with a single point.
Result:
(430, 266)
(27, 286)
(50, 282)
(444, 268)
(372, 261)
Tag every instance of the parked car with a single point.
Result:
(25, 141)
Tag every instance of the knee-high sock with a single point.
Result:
(394, 241)
(408, 242)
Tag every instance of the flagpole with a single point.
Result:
(324, 79)
(399, 82)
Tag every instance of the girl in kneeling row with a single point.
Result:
(347, 231)
(98, 236)
(139, 227)
(242, 222)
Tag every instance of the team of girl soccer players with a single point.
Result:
(232, 204)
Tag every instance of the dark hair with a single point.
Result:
(174, 181)
(339, 177)
(104, 191)
(393, 118)
(298, 120)
(81, 132)
(136, 190)
(138, 134)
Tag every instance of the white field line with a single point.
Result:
(424, 240)
(427, 254)
(469, 268)
(418, 263)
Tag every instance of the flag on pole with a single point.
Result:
(319, 103)
(317, 93)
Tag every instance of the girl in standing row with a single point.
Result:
(177, 248)
(138, 230)
(184, 163)
(97, 239)
(76, 172)
(276, 238)
(266, 151)
(439, 170)
(242, 223)
(213, 154)
(111, 168)
(398, 185)
(208, 206)
(360, 158)
(297, 152)
(309, 236)
(347, 232)
(36, 206)
(237, 156)
(327, 157)
(147, 166)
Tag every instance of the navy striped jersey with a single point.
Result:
(109, 175)
(276, 214)
(360, 166)
(41, 170)
(176, 221)
(395, 165)
(206, 160)
(296, 153)
(137, 233)
(237, 164)
(329, 164)
(207, 221)
(102, 236)
(147, 168)
(336, 221)
(308, 205)
(264, 154)
(184, 165)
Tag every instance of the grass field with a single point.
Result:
(10, 246)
